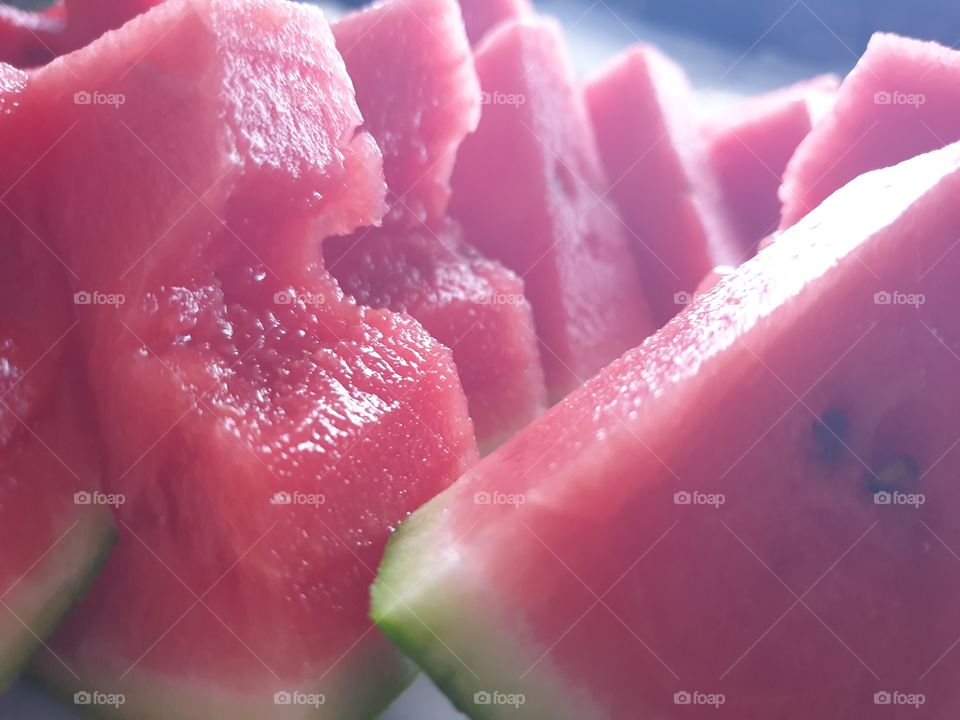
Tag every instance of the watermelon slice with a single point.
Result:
(419, 111)
(749, 153)
(526, 189)
(249, 413)
(54, 531)
(899, 101)
(643, 113)
(753, 512)
(482, 16)
(472, 305)
(29, 39)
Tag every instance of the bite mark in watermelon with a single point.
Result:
(53, 531)
(249, 413)
(764, 496)
(644, 116)
(899, 101)
(418, 91)
(527, 190)
(482, 16)
(749, 148)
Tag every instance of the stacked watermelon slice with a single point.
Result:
(271, 289)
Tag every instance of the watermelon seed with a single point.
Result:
(830, 434)
(899, 474)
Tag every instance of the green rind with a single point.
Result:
(45, 621)
(456, 636)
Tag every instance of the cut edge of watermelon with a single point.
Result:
(56, 586)
(405, 600)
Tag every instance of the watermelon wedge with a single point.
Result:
(749, 153)
(899, 101)
(644, 116)
(418, 92)
(482, 16)
(526, 188)
(726, 515)
(30, 39)
(248, 412)
(54, 529)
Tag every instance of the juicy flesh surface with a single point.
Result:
(750, 154)
(419, 111)
(526, 190)
(234, 369)
(643, 113)
(796, 392)
(474, 306)
(899, 101)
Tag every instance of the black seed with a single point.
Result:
(830, 434)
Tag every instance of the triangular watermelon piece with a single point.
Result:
(526, 188)
(750, 144)
(754, 512)
(644, 115)
(482, 16)
(55, 526)
(30, 39)
(899, 101)
(248, 412)
(418, 92)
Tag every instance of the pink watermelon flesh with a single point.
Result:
(50, 540)
(899, 101)
(758, 503)
(526, 190)
(643, 113)
(474, 306)
(749, 154)
(234, 370)
(482, 16)
(29, 39)
(419, 95)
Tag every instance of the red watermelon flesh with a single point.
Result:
(30, 39)
(899, 101)
(474, 306)
(644, 115)
(526, 188)
(54, 531)
(753, 512)
(250, 414)
(750, 146)
(482, 16)
(419, 110)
